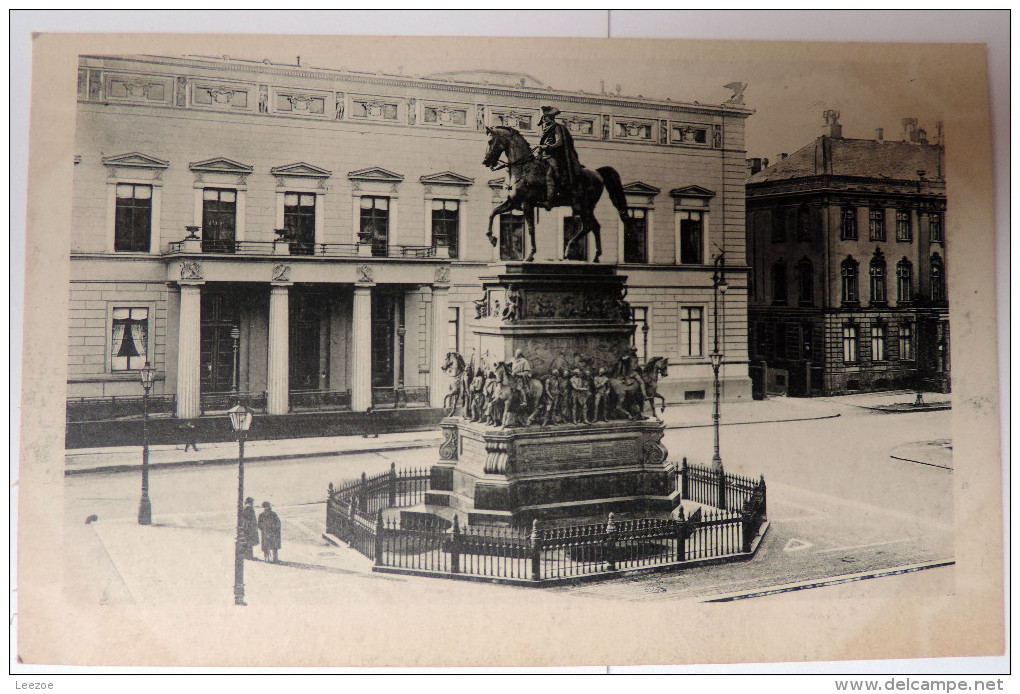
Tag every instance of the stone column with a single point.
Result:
(189, 357)
(361, 349)
(278, 383)
(438, 381)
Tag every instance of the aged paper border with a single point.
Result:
(969, 623)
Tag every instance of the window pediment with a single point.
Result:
(301, 170)
(447, 178)
(692, 192)
(497, 182)
(136, 160)
(220, 165)
(641, 188)
(375, 174)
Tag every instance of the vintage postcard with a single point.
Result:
(374, 351)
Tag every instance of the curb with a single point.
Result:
(832, 581)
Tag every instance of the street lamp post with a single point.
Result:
(147, 375)
(235, 335)
(240, 421)
(718, 286)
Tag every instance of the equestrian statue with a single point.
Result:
(551, 176)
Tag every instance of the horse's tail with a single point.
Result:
(614, 186)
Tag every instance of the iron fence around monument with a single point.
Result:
(426, 544)
(715, 487)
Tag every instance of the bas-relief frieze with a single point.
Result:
(145, 89)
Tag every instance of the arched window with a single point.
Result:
(877, 274)
(848, 272)
(805, 283)
(904, 281)
(937, 281)
(779, 282)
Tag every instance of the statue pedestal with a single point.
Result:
(513, 476)
(562, 316)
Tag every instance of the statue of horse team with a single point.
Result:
(528, 189)
(564, 396)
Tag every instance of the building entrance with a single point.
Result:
(307, 312)
(219, 317)
(383, 331)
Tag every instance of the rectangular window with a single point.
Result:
(848, 224)
(133, 229)
(806, 283)
(579, 250)
(779, 283)
(690, 331)
(511, 236)
(878, 343)
(849, 344)
(876, 225)
(299, 222)
(129, 339)
(635, 236)
(904, 282)
(907, 341)
(639, 338)
(446, 225)
(692, 237)
(453, 329)
(935, 227)
(375, 224)
(904, 230)
(219, 220)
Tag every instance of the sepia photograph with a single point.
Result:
(380, 351)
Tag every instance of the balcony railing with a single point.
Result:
(271, 248)
(393, 398)
(320, 399)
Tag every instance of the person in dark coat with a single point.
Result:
(250, 525)
(556, 149)
(269, 524)
(190, 435)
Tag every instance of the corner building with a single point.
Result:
(313, 238)
(847, 242)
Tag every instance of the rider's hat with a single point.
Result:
(550, 111)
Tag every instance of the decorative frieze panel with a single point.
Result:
(139, 89)
(696, 134)
(374, 108)
(635, 129)
(223, 96)
(523, 120)
(581, 125)
(446, 115)
(303, 103)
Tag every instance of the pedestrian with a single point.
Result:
(269, 524)
(371, 426)
(250, 528)
(190, 434)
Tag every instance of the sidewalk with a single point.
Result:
(679, 416)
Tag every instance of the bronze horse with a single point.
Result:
(507, 404)
(528, 175)
(461, 381)
(628, 401)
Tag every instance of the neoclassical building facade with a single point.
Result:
(309, 238)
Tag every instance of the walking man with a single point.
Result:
(269, 524)
(251, 527)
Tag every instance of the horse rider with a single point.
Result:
(520, 371)
(629, 369)
(476, 396)
(556, 149)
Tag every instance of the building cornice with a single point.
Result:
(334, 75)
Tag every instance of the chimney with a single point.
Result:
(782, 155)
(922, 136)
(765, 163)
(832, 127)
(879, 133)
(753, 166)
(909, 129)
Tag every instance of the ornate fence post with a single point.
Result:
(330, 511)
(747, 523)
(681, 535)
(393, 485)
(351, 510)
(363, 494)
(536, 552)
(611, 542)
(685, 492)
(379, 530)
(764, 498)
(722, 488)
(455, 547)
